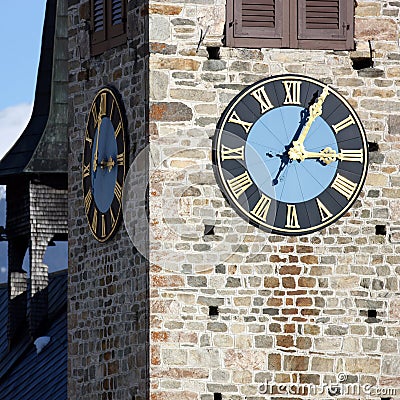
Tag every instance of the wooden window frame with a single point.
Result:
(247, 37)
(290, 29)
(111, 35)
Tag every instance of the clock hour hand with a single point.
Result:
(110, 163)
(327, 155)
(315, 111)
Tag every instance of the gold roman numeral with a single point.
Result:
(261, 96)
(103, 225)
(343, 124)
(88, 138)
(112, 109)
(118, 191)
(240, 184)
(323, 211)
(88, 201)
(232, 154)
(261, 208)
(291, 217)
(94, 220)
(118, 129)
(236, 120)
(112, 217)
(344, 186)
(86, 171)
(292, 89)
(351, 155)
(121, 159)
(94, 113)
(103, 104)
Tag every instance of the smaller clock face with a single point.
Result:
(290, 154)
(104, 163)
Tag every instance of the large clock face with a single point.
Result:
(104, 163)
(290, 154)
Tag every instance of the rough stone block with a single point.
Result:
(263, 341)
(197, 95)
(165, 9)
(170, 111)
(214, 65)
(296, 363)
(160, 28)
(375, 29)
(368, 9)
(174, 356)
(217, 327)
(274, 362)
(245, 359)
(184, 64)
(158, 85)
(207, 358)
(322, 364)
(366, 365)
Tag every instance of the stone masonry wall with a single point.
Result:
(298, 310)
(107, 290)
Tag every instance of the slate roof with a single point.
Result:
(26, 375)
(3, 319)
(42, 147)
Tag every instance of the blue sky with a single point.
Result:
(20, 40)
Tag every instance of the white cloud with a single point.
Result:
(13, 120)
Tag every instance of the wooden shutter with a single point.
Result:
(108, 24)
(116, 22)
(98, 21)
(257, 23)
(325, 24)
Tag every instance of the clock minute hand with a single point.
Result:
(102, 112)
(96, 153)
(315, 111)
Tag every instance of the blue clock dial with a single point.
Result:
(285, 185)
(105, 175)
(290, 154)
(104, 163)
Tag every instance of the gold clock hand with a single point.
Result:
(110, 163)
(315, 112)
(327, 155)
(96, 152)
(102, 112)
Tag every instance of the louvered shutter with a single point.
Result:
(116, 23)
(257, 23)
(98, 13)
(325, 24)
(108, 24)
